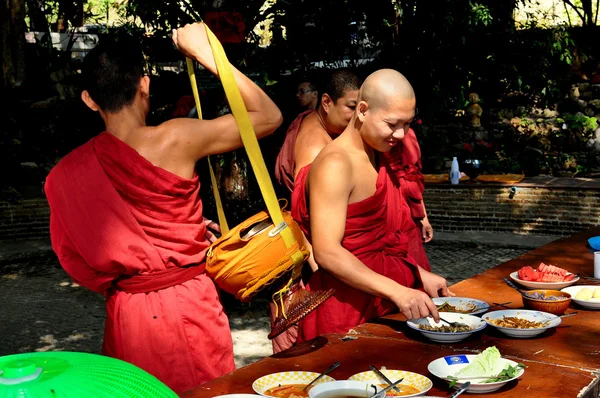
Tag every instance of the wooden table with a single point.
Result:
(560, 363)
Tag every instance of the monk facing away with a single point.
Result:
(126, 219)
(351, 207)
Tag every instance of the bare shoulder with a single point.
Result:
(331, 166)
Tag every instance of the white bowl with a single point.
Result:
(262, 384)
(593, 304)
(450, 365)
(463, 303)
(536, 316)
(542, 285)
(474, 322)
(416, 380)
(344, 388)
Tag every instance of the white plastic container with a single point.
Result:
(454, 172)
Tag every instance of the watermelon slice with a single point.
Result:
(527, 274)
(545, 273)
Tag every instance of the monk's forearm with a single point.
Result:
(344, 266)
(263, 112)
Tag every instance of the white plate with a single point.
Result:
(463, 303)
(237, 396)
(536, 316)
(267, 382)
(450, 365)
(343, 388)
(474, 322)
(542, 285)
(422, 383)
(591, 303)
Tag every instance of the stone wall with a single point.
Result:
(24, 219)
(534, 210)
(543, 211)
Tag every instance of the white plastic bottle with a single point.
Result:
(454, 172)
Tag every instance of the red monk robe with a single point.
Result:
(286, 159)
(405, 161)
(377, 233)
(134, 232)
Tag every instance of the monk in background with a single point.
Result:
(305, 138)
(350, 205)
(312, 130)
(126, 220)
(405, 160)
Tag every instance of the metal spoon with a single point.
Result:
(567, 315)
(329, 369)
(382, 376)
(462, 389)
(509, 283)
(381, 394)
(454, 324)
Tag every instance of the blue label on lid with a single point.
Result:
(456, 359)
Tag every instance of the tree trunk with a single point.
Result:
(12, 42)
(37, 18)
(588, 12)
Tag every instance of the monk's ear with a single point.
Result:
(145, 86)
(87, 99)
(326, 102)
(361, 110)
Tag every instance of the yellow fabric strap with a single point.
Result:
(238, 109)
(215, 188)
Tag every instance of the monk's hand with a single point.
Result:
(434, 285)
(192, 41)
(426, 230)
(415, 304)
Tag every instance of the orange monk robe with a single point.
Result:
(286, 159)
(405, 161)
(134, 232)
(377, 233)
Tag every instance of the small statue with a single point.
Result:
(474, 110)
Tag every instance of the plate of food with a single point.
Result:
(413, 384)
(441, 332)
(521, 323)
(286, 384)
(487, 371)
(461, 305)
(544, 277)
(587, 296)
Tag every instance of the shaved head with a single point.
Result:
(384, 86)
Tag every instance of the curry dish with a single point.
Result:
(288, 391)
(517, 323)
(446, 328)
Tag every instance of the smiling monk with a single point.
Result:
(351, 207)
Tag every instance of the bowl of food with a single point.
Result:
(486, 372)
(413, 385)
(442, 332)
(286, 384)
(344, 389)
(587, 296)
(461, 305)
(552, 301)
(521, 323)
(544, 277)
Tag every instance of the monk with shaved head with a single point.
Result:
(351, 207)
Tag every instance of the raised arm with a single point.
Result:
(199, 138)
(330, 186)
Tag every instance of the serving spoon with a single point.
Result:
(329, 369)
